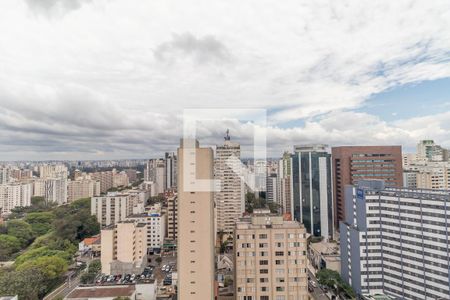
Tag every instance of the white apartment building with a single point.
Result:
(112, 208)
(5, 175)
(396, 241)
(156, 226)
(270, 258)
(53, 171)
(156, 173)
(14, 195)
(230, 201)
(52, 189)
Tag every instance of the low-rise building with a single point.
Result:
(325, 255)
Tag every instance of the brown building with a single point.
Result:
(354, 163)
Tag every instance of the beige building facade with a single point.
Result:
(230, 200)
(196, 225)
(270, 258)
(123, 247)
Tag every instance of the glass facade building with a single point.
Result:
(312, 189)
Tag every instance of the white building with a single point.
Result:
(156, 226)
(14, 195)
(52, 189)
(230, 201)
(112, 208)
(53, 171)
(396, 241)
(5, 175)
(156, 173)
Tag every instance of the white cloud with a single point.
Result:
(116, 73)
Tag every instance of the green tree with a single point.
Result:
(95, 266)
(333, 280)
(121, 298)
(53, 267)
(21, 230)
(41, 222)
(158, 260)
(28, 284)
(8, 246)
(34, 254)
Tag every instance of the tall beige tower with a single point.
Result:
(230, 201)
(195, 226)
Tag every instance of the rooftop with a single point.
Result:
(102, 292)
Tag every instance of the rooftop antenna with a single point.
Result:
(227, 137)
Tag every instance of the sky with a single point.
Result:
(110, 79)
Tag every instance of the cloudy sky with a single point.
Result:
(101, 79)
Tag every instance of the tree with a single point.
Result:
(95, 266)
(121, 298)
(158, 260)
(52, 267)
(41, 222)
(21, 230)
(28, 284)
(34, 254)
(332, 279)
(8, 246)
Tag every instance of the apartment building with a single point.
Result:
(52, 189)
(112, 208)
(230, 200)
(14, 195)
(124, 248)
(156, 222)
(272, 188)
(172, 217)
(285, 184)
(156, 173)
(5, 175)
(82, 188)
(120, 179)
(53, 171)
(396, 241)
(106, 179)
(196, 222)
(354, 163)
(270, 258)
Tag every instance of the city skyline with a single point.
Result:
(102, 85)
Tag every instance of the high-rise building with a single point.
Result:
(124, 248)
(196, 225)
(172, 217)
(230, 200)
(156, 173)
(354, 163)
(112, 208)
(272, 188)
(312, 189)
(396, 241)
(270, 258)
(82, 188)
(53, 171)
(427, 150)
(120, 179)
(14, 195)
(106, 179)
(54, 190)
(5, 175)
(285, 184)
(171, 170)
